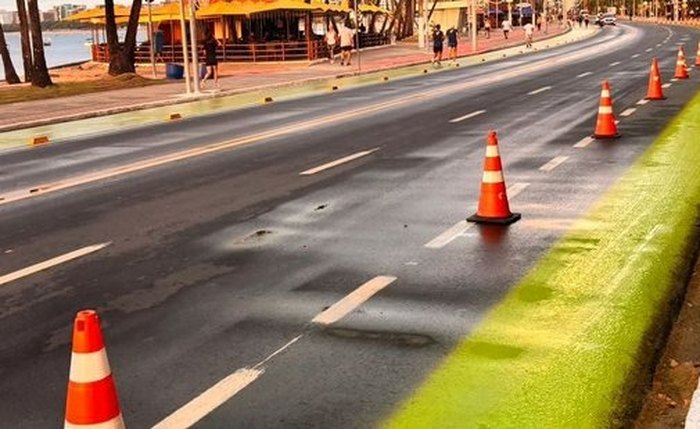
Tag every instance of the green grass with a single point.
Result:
(565, 345)
(27, 93)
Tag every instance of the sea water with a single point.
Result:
(66, 47)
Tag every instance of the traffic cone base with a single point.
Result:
(514, 217)
(606, 137)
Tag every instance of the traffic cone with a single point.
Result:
(655, 91)
(605, 126)
(493, 201)
(681, 65)
(92, 396)
(697, 56)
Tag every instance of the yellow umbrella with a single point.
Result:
(99, 13)
(370, 8)
(213, 10)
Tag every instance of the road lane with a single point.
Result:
(195, 302)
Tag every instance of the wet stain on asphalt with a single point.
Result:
(395, 338)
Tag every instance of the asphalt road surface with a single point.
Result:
(217, 253)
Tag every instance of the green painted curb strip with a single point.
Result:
(565, 344)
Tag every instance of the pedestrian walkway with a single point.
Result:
(238, 78)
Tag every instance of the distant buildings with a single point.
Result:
(65, 10)
(8, 18)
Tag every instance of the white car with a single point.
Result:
(608, 19)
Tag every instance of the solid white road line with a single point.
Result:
(642, 102)
(467, 116)
(337, 162)
(629, 111)
(584, 74)
(615, 64)
(537, 91)
(211, 399)
(584, 142)
(41, 266)
(635, 55)
(198, 408)
(554, 163)
(356, 298)
(458, 229)
(666, 85)
(448, 236)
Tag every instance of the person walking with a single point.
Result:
(331, 39)
(487, 28)
(210, 60)
(507, 26)
(529, 31)
(347, 38)
(452, 40)
(438, 38)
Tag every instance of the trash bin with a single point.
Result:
(174, 71)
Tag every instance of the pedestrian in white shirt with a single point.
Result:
(507, 26)
(347, 37)
(529, 31)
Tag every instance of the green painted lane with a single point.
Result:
(566, 345)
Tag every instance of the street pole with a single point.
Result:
(150, 38)
(183, 30)
(472, 19)
(421, 23)
(357, 35)
(195, 54)
(510, 11)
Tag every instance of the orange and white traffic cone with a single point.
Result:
(92, 396)
(605, 126)
(655, 91)
(697, 56)
(681, 65)
(493, 201)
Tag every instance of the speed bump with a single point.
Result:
(38, 140)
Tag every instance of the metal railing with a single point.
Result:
(246, 52)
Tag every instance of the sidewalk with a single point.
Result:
(238, 78)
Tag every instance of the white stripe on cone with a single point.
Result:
(89, 367)
(605, 110)
(492, 177)
(492, 151)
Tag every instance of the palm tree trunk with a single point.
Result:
(26, 43)
(40, 73)
(122, 58)
(10, 73)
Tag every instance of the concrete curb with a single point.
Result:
(208, 96)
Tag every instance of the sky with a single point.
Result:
(49, 4)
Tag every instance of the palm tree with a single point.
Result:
(40, 73)
(26, 43)
(10, 73)
(121, 58)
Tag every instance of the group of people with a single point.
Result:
(452, 37)
(345, 36)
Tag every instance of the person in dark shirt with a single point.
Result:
(212, 63)
(438, 38)
(452, 44)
